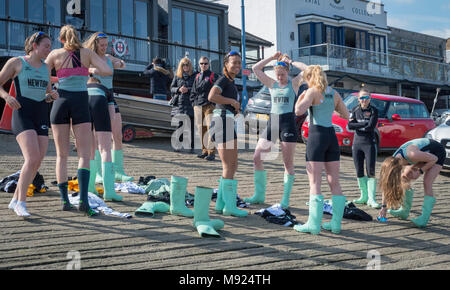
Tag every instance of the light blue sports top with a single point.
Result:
(321, 114)
(282, 98)
(108, 80)
(420, 142)
(32, 82)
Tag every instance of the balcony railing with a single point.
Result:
(359, 61)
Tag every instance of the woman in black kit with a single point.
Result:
(364, 119)
(225, 95)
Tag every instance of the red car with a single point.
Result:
(400, 120)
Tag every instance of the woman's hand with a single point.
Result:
(13, 103)
(183, 90)
(53, 95)
(382, 213)
(236, 105)
(276, 55)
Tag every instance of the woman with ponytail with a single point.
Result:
(283, 92)
(31, 77)
(72, 63)
(322, 148)
(415, 157)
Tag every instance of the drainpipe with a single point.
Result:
(244, 77)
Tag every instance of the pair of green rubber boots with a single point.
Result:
(403, 212)
(226, 202)
(368, 188)
(260, 179)
(202, 199)
(117, 160)
(314, 223)
(109, 193)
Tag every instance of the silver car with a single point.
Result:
(442, 134)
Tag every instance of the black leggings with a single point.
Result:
(367, 151)
(322, 145)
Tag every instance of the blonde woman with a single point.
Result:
(181, 91)
(72, 64)
(322, 149)
(30, 110)
(415, 157)
(283, 92)
(103, 113)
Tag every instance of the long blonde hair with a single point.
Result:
(92, 41)
(391, 182)
(70, 37)
(316, 77)
(180, 71)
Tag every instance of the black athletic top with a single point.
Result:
(229, 90)
(364, 122)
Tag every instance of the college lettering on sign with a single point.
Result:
(314, 2)
(120, 47)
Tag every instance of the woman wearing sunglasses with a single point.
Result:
(363, 119)
(226, 97)
(29, 122)
(104, 111)
(283, 92)
(72, 63)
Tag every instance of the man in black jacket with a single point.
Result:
(159, 79)
(203, 108)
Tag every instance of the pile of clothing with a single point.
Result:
(278, 215)
(239, 202)
(9, 184)
(350, 211)
(97, 204)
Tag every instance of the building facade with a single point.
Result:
(142, 29)
(352, 41)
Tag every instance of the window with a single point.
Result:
(418, 111)
(54, 12)
(36, 11)
(177, 28)
(141, 19)
(112, 16)
(127, 17)
(304, 34)
(213, 32)
(189, 28)
(96, 15)
(202, 30)
(2, 23)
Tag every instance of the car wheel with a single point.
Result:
(128, 134)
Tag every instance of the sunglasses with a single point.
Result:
(204, 63)
(233, 52)
(185, 64)
(281, 63)
(364, 97)
(101, 35)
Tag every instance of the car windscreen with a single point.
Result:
(381, 105)
(263, 93)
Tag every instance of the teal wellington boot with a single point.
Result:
(108, 183)
(98, 165)
(288, 183)
(205, 226)
(219, 200)
(372, 189)
(150, 208)
(93, 168)
(178, 186)
(362, 184)
(403, 211)
(427, 207)
(334, 225)
(314, 223)
(229, 194)
(260, 179)
(117, 159)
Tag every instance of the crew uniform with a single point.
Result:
(73, 101)
(282, 109)
(425, 145)
(222, 125)
(322, 145)
(31, 85)
(364, 122)
(100, 96)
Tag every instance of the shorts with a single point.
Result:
(287, 129)
(100, 118)
(322, 145)
(438, 150)
(222, 128)
(33, 115)
(71, 106)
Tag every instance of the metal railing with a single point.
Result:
(359, 61)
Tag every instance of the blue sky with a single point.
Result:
(425, 16)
